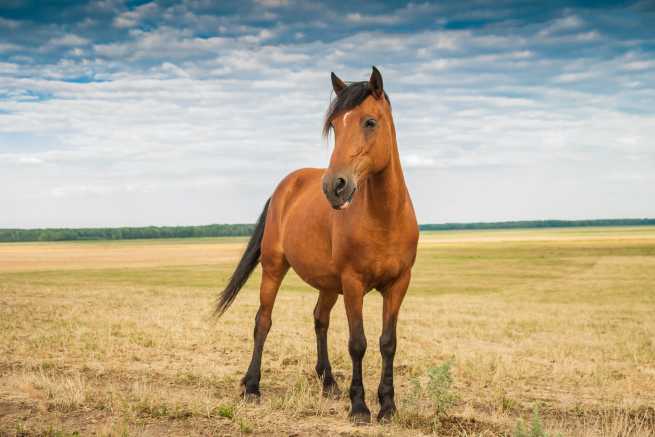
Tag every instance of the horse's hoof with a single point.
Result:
(360, 417)
(253, 397)
(331, 390)
(250, 393)
(386, 414)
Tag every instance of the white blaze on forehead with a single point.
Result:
(345, 118)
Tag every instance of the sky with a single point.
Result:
(117, 112)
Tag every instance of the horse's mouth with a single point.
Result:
(346, 203)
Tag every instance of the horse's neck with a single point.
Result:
(386, 193)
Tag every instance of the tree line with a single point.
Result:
(529, 224)
(125, 233)
(245, 229)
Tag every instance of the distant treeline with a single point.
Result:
(127, 233)
(528, 224)
(225, 230)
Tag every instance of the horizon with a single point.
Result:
(558, 223)
(124, 113)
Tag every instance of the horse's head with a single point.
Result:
(360, 117)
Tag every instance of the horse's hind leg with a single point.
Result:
(326, 300)
(271, 280)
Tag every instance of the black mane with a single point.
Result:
(350, 97)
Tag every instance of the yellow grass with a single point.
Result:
(114, 338)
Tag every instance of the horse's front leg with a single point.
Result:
(353, 297)
(392, 296)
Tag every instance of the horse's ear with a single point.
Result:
(375, 83)
(337, 84)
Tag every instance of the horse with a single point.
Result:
(344, 230)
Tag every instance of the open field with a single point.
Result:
(115, 338)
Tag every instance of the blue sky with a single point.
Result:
(135, 113)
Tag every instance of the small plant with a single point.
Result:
(244, 426)
(507, 404)
(225, 410)
(536, 427)
(437, 393)
(439, 387)
(20, 430)
(149, 408)
(233, 413)
(180, 412)
(51, 432)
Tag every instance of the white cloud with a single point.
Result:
(574, 77)
(272, 3)
(133, 17)
(400, 15)
(9, 24)
(68, 39)
(6, 67)
(587, 36)
(417, 161)
(259, 37)
(566, 23)
(81, 190)
(639, 65)
(358, 18)
(8, 47)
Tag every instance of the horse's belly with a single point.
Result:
(318, 276)
(309, 256)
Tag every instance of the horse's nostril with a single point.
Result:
(339, 186)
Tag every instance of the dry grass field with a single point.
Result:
(115, 338)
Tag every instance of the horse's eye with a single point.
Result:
(370, 123)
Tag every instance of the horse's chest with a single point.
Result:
(381, 271)
(379, 264)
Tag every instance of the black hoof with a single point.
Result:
(251, 397)
(360, 417)
(331, 389)
(386, 414)
(250, 392)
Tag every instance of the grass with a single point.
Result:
(115, 339)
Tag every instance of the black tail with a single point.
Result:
(249, 261)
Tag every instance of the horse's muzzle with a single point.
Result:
(339, 190)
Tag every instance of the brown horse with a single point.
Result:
(363, 237)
